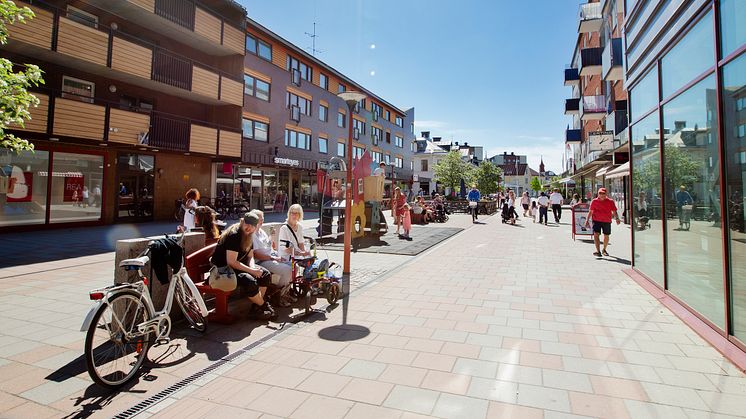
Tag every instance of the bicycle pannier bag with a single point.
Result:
(223, 278)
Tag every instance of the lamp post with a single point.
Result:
(351, 98)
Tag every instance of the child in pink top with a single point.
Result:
(407, 221)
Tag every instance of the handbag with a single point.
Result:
(223, 278)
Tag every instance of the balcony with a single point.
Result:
(611, 63)
(119, 56)
(591, 61)
(73, 118)
(573, 136)
(589, 17)
(572, 78)
(593, 108)
(183, 20)
(39, 116)
(572, 106)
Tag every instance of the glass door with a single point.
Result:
(135, 187)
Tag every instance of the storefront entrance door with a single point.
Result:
(135, 187)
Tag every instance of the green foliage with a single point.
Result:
(486, 176)
(554, 182)
(15, 100)
(535, 184)
(680, 168)
(451, 169)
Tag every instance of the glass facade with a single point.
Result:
(23, 187)
(76, 188)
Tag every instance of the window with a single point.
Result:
(258, 47)
(255, 87)
(324, 81)
(387, 159)
(341, 119)
(297, 139)
(411, 165)
(255, 130)
(399, 121)
(388, 115)
(411, 127)
(306, 72)
(399, 141)
(741, 131)
(689, 58)
(423, 165)
(732, 22)
(84, 18)
(301, 102)
(377, 156)
(644, 95)
(388, 137)
(359, 126)
(376, 108)
(341, 88)
(323, 144)
(357, 152)
(78, 89)
(323, 113)
(399, 162)
(740, 104)
(341, 149)
(25, 170)
(376, 135)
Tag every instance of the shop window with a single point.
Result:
(78, 89)
(77, 182)
(23, 187)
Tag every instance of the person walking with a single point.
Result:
(191, 202)
(85, 196)
(682, 198)
(397, 203)
(543, 202)
(525, 202)
(473, 199)
(601, 212)
(556, 199)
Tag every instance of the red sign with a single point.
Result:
(20, 189)
(73, 189)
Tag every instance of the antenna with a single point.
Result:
(313, 36)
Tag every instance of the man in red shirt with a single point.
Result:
(601, 211)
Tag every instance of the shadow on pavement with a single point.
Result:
(344, 332)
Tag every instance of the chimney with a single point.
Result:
(505, 153)
(466, 144)
(456, 143)
(512, 153)
(679, 125)
(426, 134)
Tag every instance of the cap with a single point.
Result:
(251, 218)
(602, 190)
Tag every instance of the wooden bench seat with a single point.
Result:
(197, 266)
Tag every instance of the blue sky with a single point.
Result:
(486, 72)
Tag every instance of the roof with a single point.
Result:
(315, 60)
(514, 169)
(429, 147)
(533, 172)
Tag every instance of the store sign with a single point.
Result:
(287, 162)
(601, 140)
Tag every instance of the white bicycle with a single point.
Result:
(122, 323)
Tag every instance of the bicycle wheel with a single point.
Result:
(114, 349)
(333, 293)
(189, 306)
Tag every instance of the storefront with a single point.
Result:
(49, 186)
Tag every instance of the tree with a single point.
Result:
(451, 170)
(554, 183)
(486, 176)
(680, 168)
(535, 184)
(15, 100)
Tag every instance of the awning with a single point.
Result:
(620, 171)
(567, 180)
(602, 171)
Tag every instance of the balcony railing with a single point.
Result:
(591, 61)
(172, 70)
(572, 76)
(612, 60)
(589, 16)
(573, 135)
(180, 12)
(169, 133)
(593, 107)
(572, 106)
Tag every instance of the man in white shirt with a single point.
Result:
(556, 199)
(380, 170)
(268, 258)
(543, 202)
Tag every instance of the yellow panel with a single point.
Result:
(230, 144)
(257, 75)
(131, 58)
(203, 139)
(231, 91)
(204, 82)
(39, 116)
(279, 55)
(324, 135)
(234, 38)
(298, 129)
(207, 25)
(256, 117)
(125, 127)
(36, 31)
(82, 42)
(323, 103)
(78, 119)
(300, 93)
(148, 5)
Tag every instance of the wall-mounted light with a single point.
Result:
(112, 88)
(160, 172)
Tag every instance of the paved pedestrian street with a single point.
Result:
(495, 321)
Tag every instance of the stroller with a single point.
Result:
(509, 215)
(440, 214)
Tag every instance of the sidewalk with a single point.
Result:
(499, 321)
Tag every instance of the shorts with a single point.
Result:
(599, 226)
(525, 207)
(252, 284)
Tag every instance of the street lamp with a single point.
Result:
(351, 98)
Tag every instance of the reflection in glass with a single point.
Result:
(690, 57)
(646, 205)
(692, 187)
(732, 25)
(644, 96)
(23, 187)
(270, 189)
(77, 188)
(734, 121)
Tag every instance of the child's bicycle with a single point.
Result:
(122, 323)
(311, 274)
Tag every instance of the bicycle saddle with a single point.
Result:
(141, 261)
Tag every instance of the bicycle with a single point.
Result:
(473, 209)
(122, 323)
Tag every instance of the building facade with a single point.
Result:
(516, 173)
(294, 122)
(686, 71)
(426, 156)
(140, 98)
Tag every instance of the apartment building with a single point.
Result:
(686, 72)
(427, 155)
(516, 173)
(294, 123)
(140, 99)
(597, 137)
